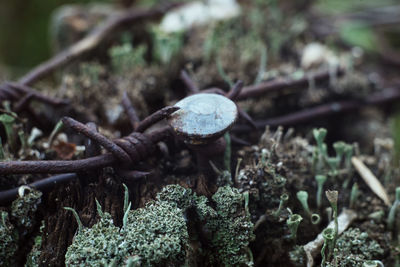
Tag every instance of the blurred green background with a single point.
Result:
(24, 27)
(24, 31)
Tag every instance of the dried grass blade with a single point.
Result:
(371, 180)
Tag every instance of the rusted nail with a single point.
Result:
(203, 118)
(201, 122)
(155, 117)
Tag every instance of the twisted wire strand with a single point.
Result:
(127, 150)
(137, 145)
(8, 93)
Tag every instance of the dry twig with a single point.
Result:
(371, 180)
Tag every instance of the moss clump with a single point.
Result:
(354, 248)
(8, 237)
(232, 229)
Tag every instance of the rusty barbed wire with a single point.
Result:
(22, 95)
(123, 152)
(93, 39)
(321, 111)
(126, 151)
(279, 84)
(48, 183)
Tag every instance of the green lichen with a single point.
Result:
(232, 229)
(298, 257)
(152, 235)
(354, 248)
(184, 199)
(179, 195)
(8, 237)
(23, 208)
(333, 166)
(22, 216)
(157, 234)
(203, 210)
(125, 57)
(96, 246)
(92, 72)
(166, 45)
(32, 259)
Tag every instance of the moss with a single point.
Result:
(8, 237)
(232, 229)
(354, 248)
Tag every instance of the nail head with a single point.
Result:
(203, 117)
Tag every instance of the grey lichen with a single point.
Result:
(354, 248)
(297, 256)
(96, 246)
(157, 234)
(32, 260)
(23, 208)
(203, 210)
(153, 235)
(176, 194)
(232, 229)
(8, 237)
(125, 57)
(17, 223)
